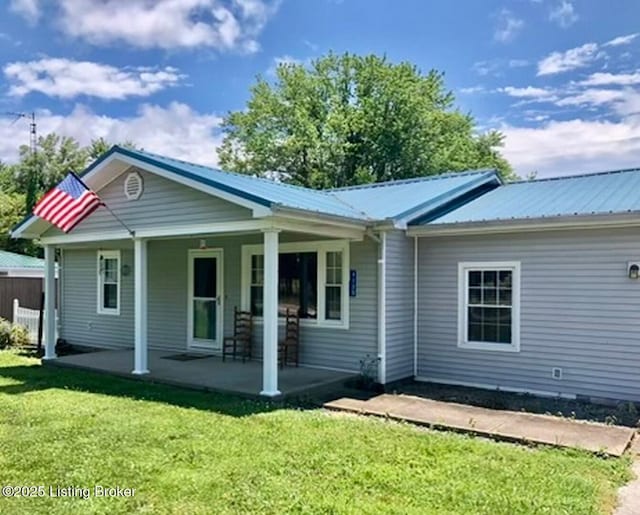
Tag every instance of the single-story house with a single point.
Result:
(458, 278)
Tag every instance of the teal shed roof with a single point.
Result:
(615, 192)
(13, 260)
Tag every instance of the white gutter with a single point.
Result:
(382, 309)
(415, 306)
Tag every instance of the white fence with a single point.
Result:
(30, 318)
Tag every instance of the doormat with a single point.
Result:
(185, 357)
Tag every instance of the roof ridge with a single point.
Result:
(329, 193)
(425, 178)
(237, 174)
(575, 176)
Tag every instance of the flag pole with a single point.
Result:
(129, 230)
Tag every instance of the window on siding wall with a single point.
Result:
(333, 286)
(311, 280)
(298, 284)
(489, 305)
(109, 282)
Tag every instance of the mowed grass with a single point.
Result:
(189, 452)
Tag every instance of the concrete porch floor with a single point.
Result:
(205, 373)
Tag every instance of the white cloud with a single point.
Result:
(563, 14)
(285, 60)
(495, 67)
(558, 62)
(518, 63)
(573, 146)
(622, 40)
(611, 79)
(621, 102)
(28, 9)
(65, 78)
(224, 25)
(472, 90)
(484, 68)
(594, 97)
(175, 130)
(527, 92)
(507, 26)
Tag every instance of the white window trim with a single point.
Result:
(321, 247)
(108, 254)
(463, 297)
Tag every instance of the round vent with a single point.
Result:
(133, 186)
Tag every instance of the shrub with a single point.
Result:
(19, 336)
(13, 335)
(5, 333)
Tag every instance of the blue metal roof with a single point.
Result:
(380, 201)
(406, 199)
(262, 191)
(613, 192)
(395, 200)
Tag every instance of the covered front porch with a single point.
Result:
(203, 372)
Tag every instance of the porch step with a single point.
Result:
(498, 424)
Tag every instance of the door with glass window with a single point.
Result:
(205, 300)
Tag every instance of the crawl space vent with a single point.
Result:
(133, 186)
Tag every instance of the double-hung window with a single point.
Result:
(489, 306)
(109, 282)
(312, 281)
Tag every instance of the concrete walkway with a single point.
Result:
(629, 494)
(503, 425)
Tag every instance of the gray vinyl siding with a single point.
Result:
(342, 349)
(399, 306)
(579, 311)
(167, 305)
(80, 322)
(164, 203)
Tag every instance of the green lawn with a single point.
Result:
(188, 452)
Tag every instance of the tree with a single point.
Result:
(23, 183)
(349, 119)
(100, 145)
(37, 173)
(11, 212)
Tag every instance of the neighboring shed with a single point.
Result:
(20, 278)
(18, 265)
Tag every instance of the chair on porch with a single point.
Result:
(289, 346)
(240, 342)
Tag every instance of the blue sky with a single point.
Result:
(560, 78)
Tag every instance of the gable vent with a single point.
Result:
(133, 186)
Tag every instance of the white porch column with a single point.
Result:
(270, 315)
(49, 302)
(140, 306)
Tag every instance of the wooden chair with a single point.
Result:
(240, 342)
(289, 346)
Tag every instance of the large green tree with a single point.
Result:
(349, 119)
(36, 173)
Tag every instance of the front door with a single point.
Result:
(205, 300)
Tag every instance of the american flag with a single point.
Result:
(66, 205)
